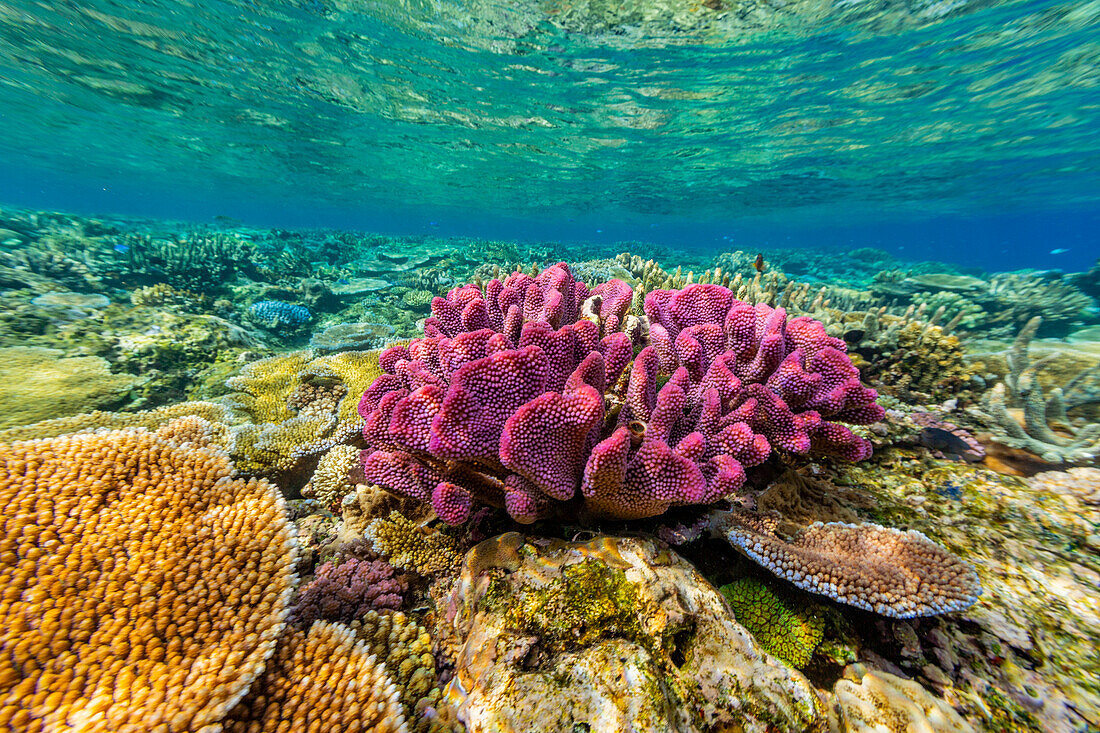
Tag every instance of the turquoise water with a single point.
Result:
(545, 323)
(800, 123)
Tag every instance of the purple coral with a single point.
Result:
(514, 398)
(346, 591)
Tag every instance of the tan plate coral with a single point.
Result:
(143, 586)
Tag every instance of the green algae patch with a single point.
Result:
(590, 602)
(787, 628)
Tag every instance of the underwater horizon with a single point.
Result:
(960, 130)
(555, 366)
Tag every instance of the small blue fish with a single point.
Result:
(122, 248)
(1059, 251)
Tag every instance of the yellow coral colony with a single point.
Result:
(143, 588)
(324, 680)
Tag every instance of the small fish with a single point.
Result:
(759, 264)
(1059, 251)
(122, 248)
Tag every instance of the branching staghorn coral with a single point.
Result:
(1021, 387)
(144, 586)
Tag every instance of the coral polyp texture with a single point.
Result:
(519, 395)
(144, 586)
(321, 680)
(888, 571)
(787, 629)
(345, 591)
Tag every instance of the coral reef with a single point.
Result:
(405, 648)
(1040, 414)
(616, 394)
(410, 546)
(42, 383)
(1022, 296)
(195, 260)
(1000, 305)
(1028, 643)
(144, 587)
(320, 680)
(345, 591)
(909, 359)
(276, 314)
(786, 629)
(503, 400)
(618, 634)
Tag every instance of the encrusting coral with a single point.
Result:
(514, 397)
(144, 587)
(41, 383)
(788, 629)
(879, 702)
(321, 680)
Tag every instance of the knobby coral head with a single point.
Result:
(528, 394)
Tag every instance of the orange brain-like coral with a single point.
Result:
(141, 586)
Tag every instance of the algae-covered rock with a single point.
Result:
(1028, 647)
(352, 337)
(40, 383)
(615, 634)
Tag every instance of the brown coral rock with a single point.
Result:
(323, 680)
(143, 586)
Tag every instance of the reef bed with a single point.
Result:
(259, 480)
